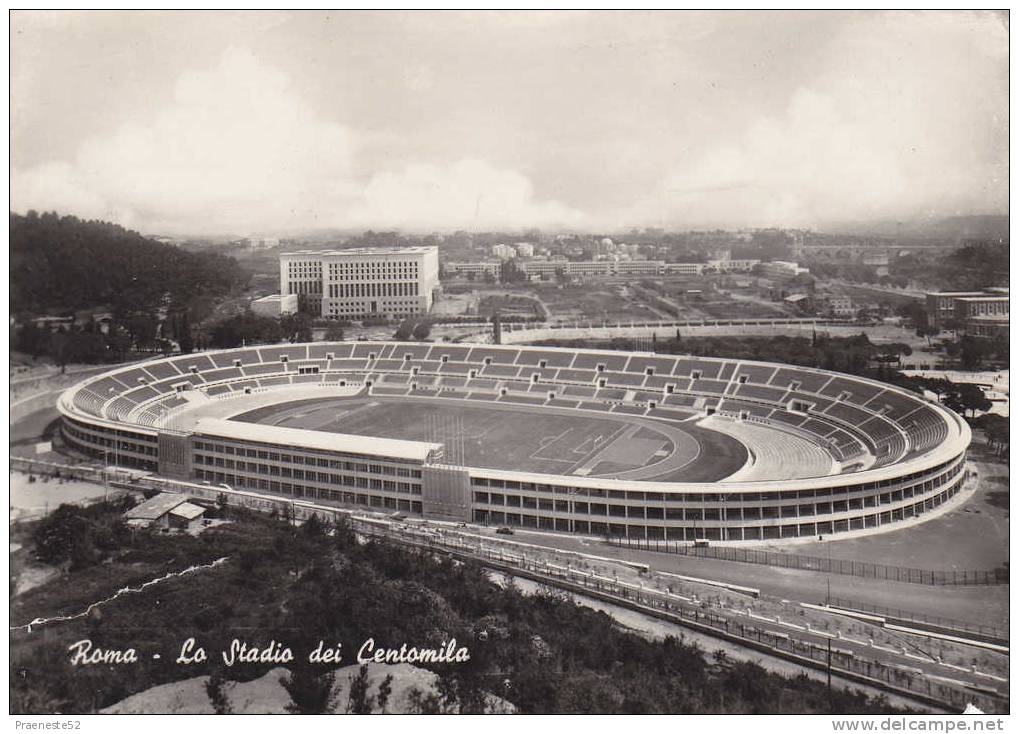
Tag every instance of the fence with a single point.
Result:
(672, 607)
(820, 564)
(994, 634)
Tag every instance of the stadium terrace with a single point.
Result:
(638, 445)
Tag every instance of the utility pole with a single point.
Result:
(829, 674)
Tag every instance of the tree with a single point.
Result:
(223, 504)
(65, 534)
(405, 330)
(385, 691)
(183, 334)
(311, 690)
(422, 330)
(995, 428)
(972, 398)
(927, 331)
(217, 696)
(334, 332)
(296, 327)
(359, 701)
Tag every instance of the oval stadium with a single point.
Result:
(602, 443)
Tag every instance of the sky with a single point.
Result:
(243, 123)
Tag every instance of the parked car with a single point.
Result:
(504, 531)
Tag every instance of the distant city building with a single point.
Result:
(685, 268)
(726, 265)
(524, 249)
(275, 305)
(972, 306)
(941, 305)
(54, 323)
(504, 252)
(478, 269)
(978, 313)
(358, 283)
(262, 243)
(839, 306)
(782, 269)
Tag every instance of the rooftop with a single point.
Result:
(317, 440)
(356, 251)
(156, 507)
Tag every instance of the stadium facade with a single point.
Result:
(362, 282)
(894, 455)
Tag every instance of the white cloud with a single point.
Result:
(891, 127)
(238, 150)
(465, 194)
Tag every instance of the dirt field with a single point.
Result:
(504, 437)
(38, 498)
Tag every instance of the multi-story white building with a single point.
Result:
(783, 269)
(504, 252)
(684, 268)
(357, 283)
(479, 268)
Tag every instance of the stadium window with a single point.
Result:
(601, 383)
(599, 368)
(670, 389)
(696, 374)
(488, 360)
(650, 371)
(534, 378)
(543, 363)
(652, 404)
(284, 359)
(743, 379)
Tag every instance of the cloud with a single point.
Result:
(461, 195)
(891, 126)
(239, 151)
(236, 148)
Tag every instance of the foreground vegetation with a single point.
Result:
(543, 653)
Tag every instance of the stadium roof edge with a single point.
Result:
(317, 440)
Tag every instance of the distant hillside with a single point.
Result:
(974, 227)
(63, 264)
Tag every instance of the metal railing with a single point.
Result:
(821, 564)
(933, 620)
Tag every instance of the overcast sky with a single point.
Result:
(243, 123)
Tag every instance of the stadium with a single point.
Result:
(594, 442)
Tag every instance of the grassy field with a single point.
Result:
(522, 439)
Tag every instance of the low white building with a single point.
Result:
(275, 305)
